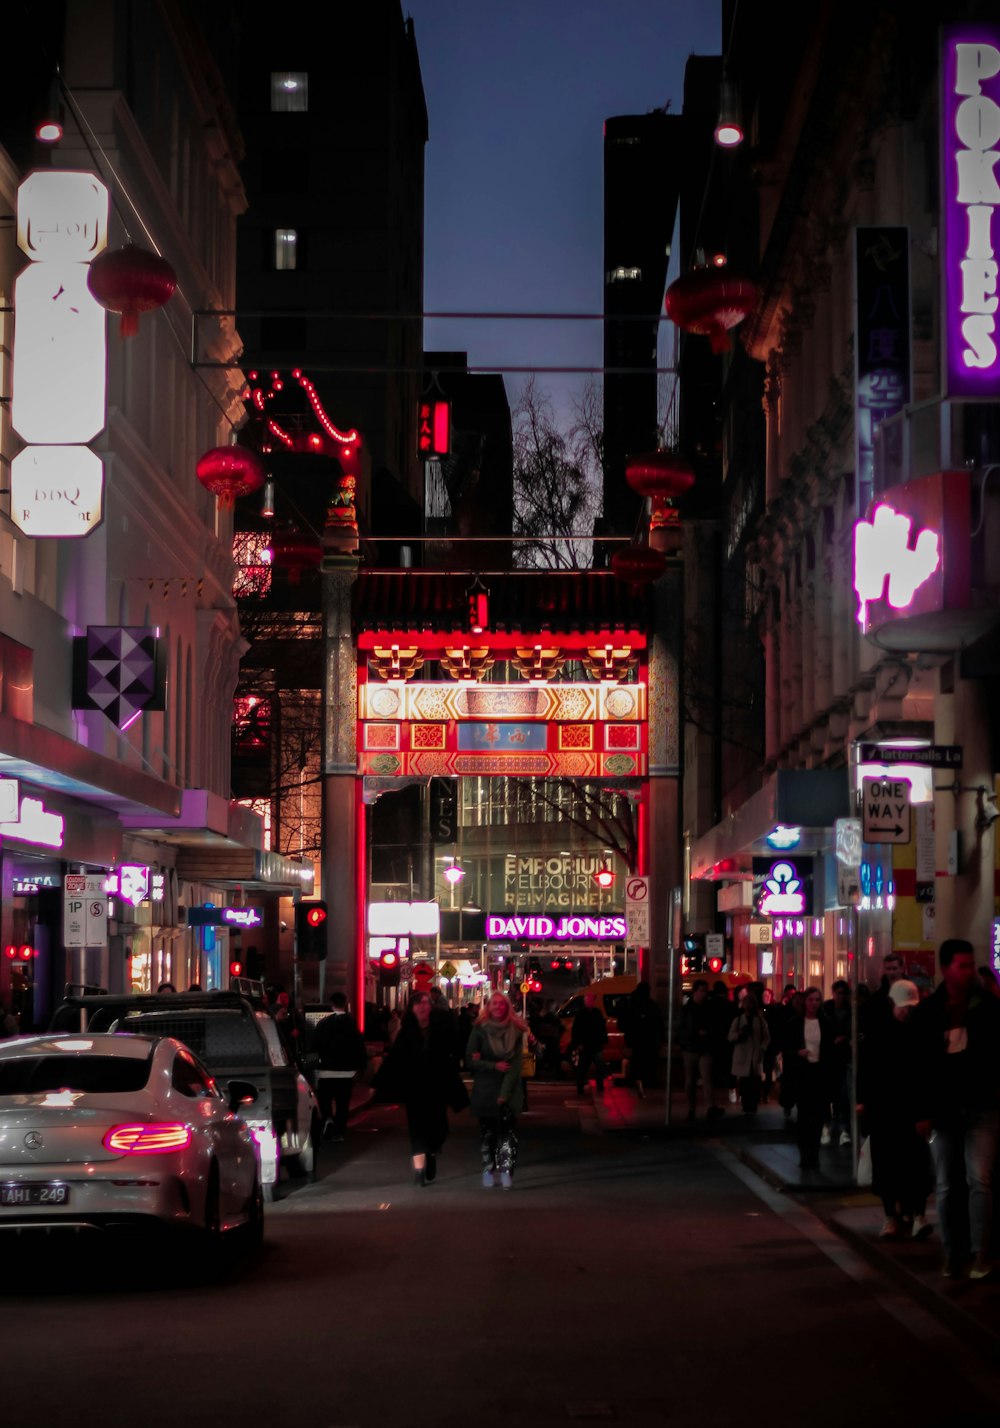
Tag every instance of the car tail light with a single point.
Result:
(149, 1138)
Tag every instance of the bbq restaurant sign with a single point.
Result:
(970, 195)
(59, 397)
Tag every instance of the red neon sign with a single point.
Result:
(434, 429)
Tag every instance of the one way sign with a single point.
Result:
(886, 811)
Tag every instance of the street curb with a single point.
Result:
(778, 1182)
(937, 1302)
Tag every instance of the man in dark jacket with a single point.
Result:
(957, 1052)
(641, 1022)
(696, 1038)
(340, 1047)
(589, 1038)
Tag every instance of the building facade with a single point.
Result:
(866, 554)
(117, 774)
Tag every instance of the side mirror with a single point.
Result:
(241, 1093)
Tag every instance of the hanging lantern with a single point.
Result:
(659, 474)
(295, 552)
(131, 281)
(638, 564)
(230, 471)
(709, 302)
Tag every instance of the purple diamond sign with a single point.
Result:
(118, 669)
(970, 195)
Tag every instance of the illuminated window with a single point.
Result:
(624, 275)
(286, 242)
(289, 92)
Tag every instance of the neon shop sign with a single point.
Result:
(539, 928)
(35, 824)
(971, 195)
(882, 552)
(782, 888)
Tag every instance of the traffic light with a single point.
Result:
(310, 930)
(235, 968)
(388, 966)
(693, 960)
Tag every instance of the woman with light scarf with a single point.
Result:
(493, 1055)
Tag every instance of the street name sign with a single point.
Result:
(885, 810)
(935, 756)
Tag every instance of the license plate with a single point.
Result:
(38, 1194)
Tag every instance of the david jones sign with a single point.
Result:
(552, 929)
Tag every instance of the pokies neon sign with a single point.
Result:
(883, 553)
(970, 72)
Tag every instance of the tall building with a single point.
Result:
(330, 297)
(642, 161)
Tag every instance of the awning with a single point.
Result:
(252, 869)
(41, 756)
(807, 799)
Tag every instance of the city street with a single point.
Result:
(631, 1275)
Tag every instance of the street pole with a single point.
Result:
(673, 950)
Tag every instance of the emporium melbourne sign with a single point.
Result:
(970, 196)
(538, 928)
(560, 880)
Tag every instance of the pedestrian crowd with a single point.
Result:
(926, 1086)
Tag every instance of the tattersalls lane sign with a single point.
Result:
(970, 195)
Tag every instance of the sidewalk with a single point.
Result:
(766, 1144)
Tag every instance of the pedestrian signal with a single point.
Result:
(310, 930)
(388, 964)
(236, 969)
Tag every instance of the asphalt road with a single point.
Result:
(629, 1277)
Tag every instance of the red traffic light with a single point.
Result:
(236, 969)
(389, 961)
(715, 964)
(26, 953)
(604, 877)
(315, 916)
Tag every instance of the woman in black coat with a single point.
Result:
(807, 1059)
(421, 1071)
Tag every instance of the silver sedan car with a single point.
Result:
(118, 1132)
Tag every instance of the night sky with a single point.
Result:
(517, 93)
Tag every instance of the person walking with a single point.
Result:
(837, 1126)
(421, 1071)
(957, 1048)
(694, 1036)
(807, 1061)
(641, 1022)
(493, 1055)
(749, 1037)
(888, 1111)
(340, 1051)
(588, 1040)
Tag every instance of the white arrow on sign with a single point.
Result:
(886, 810)
(637, 889)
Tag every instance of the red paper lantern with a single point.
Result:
(709, 302)
(130, 280)
(296, 552)
(230, 471)
(659, 474)
(638, 564)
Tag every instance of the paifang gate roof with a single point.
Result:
(560, 602)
